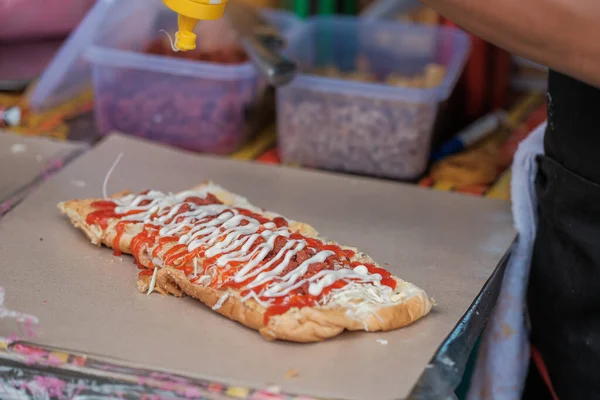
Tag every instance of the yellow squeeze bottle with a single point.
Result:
(189, 13)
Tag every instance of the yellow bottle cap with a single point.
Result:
(190, 12)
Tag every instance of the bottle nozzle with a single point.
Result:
(189, 13)
(185, 38)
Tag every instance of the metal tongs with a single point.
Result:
(262, 42)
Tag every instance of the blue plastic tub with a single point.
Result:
(367, 128)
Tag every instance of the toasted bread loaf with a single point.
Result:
(364, 303)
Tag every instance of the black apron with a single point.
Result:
(564, 284)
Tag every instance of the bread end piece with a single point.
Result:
(308, 324)
(76, 211)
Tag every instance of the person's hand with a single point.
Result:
(40, 19)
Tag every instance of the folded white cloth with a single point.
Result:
(503, 358)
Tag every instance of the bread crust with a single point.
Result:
(307, 324)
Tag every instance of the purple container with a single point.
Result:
(195, 105)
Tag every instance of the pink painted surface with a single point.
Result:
(28, 19)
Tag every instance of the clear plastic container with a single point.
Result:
(200, 106)
(368, 128)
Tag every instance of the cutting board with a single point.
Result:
(86, 298)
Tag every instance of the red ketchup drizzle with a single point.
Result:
(142, 239)
(262, 220)
(147, 272)
(161, 243)
(282, 304)
(174, 253)
(209, 199)
(280, 222)
(386, 277)
(293, 301)
(179, 254)
(298, 298)
(141, 242)
(105, 210)
(119, 228)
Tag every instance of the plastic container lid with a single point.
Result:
(400, 34)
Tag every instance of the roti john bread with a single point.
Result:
(269, 273)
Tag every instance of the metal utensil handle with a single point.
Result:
(270, 37)
(277, 69)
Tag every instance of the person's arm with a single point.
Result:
(561, 34)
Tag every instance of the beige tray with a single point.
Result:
(86, 298)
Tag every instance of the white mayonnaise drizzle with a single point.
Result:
(229, 236)
(221, 301)
(152, 281)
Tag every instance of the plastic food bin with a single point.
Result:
(369, 128)
(200, 106)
